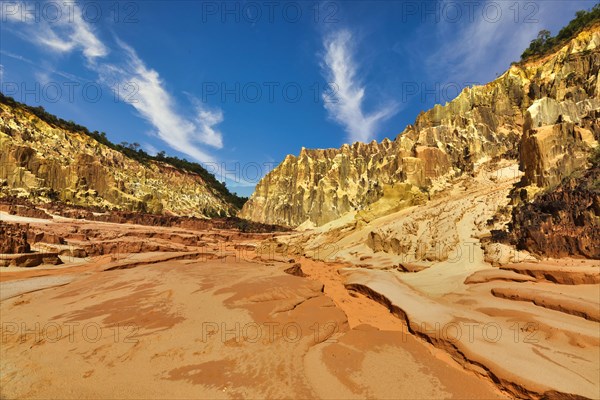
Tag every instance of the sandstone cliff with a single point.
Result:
(550, 105)
(45, 162)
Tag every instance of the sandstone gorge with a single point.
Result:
(544, 112)
(421, 267)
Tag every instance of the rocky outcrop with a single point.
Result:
(13, 239)
(23, 207)
(557, 139)
(15, 248)
(24, 211)
(564, 221)
(30, 260)
(44, 162)
(554, 102)
(295, 270)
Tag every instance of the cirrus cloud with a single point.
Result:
(184, 133)
(340, 68)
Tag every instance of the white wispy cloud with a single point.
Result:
(16, 56)
(346, 109)
(474, 51)
(43, 77)
(206, 120)
(63, 35)
(43, 68)
(149, 148)
(150, 98)
(152, 101)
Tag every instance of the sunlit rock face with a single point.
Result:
(45, 163)
(544, 112)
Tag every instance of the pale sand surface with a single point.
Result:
(18, 287)
(6, 217)
(511, 339)
(211, 323)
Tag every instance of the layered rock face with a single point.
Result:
(43, 162)
(554, 101)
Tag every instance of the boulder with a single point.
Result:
(295, 270)
(13, 238)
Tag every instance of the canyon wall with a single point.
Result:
(544, 112)
(45, 163)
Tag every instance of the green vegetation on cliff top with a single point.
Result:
(132, 151)
(544, 43)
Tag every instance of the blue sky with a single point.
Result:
(238, 85)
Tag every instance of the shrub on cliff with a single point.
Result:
(545, 42)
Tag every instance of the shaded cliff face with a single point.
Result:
(564, 221)
(548, 100)
(44, 163)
